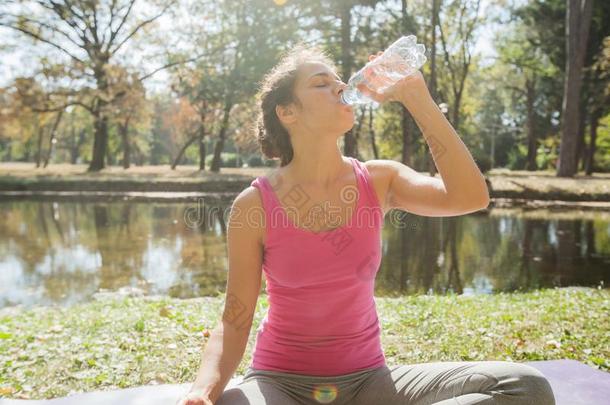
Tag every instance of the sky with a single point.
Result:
(20, 60)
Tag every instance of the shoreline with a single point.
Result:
(186, 183)
(227, 198)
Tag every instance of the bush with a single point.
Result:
(483, 162)
(255, 161)
(227, 159)
(546, 159)
(517, 157)
(258, 161)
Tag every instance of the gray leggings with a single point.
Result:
(440, 383)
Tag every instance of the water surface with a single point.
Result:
(60, 253)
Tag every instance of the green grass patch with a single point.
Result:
(48, 352)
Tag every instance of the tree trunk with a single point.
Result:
(404, 122)
(100, 142)
(28, 149)
(181, 152)
(532, 145)
(73, 151)
(52, 136)
(39, 146)
(202, 150)
(433, 90)
(219, 146)
(590, 159)
(100, 120)
(372, 132)
(582, 123)
(406, 137)
(109, 158)
(360, 120)
(578, 19)
(124, 129)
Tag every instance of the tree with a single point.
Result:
(90, 34)
(578, 20)
(188, 123)
(130, 110)
(528, 66)
(600, 103)
(460, 17)
(249, 38)
(34, 111)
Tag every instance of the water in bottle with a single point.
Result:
(401, 59)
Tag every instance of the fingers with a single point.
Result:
(367, 91)
(191, 399)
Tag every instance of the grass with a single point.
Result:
(79, 171)
(47, 352)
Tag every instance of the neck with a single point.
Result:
(318, 163)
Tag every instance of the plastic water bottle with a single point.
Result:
(401, 59)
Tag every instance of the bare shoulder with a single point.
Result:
(247, 212)
(381, 172)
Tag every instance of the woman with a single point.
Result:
(313, 226)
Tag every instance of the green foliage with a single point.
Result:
(242, 40)
(255, 161)
(546, 154)
(228, 159)
(602, 151)
(482, 160)
(517, 157)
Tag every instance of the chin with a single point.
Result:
(346, 128)
(350, 122)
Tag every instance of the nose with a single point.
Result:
(340, 87)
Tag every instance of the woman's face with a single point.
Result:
(319, 89)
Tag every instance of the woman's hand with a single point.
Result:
(196, 397)
(409, 90)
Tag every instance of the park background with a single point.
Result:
(126, 131)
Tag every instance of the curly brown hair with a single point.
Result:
(277, 88)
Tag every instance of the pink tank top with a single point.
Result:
(322, 318)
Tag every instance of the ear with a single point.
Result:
(286, 114)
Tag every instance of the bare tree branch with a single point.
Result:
(39, 38)
(114, 33)
(48, 26)
(146, 76)
(137, 28)
(58, 10)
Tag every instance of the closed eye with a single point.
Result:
(321, 85)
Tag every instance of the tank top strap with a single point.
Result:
(263, 185)
(364, 178)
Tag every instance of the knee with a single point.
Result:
(232, 396)
(533, 385)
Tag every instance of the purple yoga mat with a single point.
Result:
(573, 383)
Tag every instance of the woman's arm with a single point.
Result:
(461, 188)
(453, 160)
(228, 341)
(223, 353)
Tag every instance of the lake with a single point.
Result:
(64, 252)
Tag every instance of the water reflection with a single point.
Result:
(64, 252)
(507, 250)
